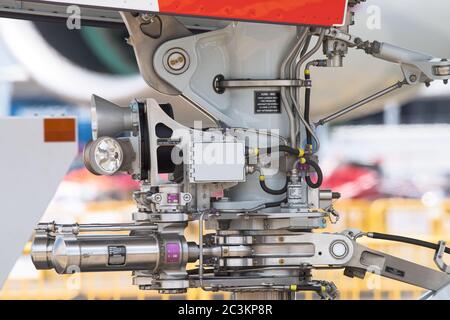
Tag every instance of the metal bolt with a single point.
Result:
(157, 198)
(187, 197)
(147, 17)
(413, 78)
(339, 249)
(176, 61)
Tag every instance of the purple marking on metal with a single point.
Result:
(173, 198)
(302, 167)
(173, 253)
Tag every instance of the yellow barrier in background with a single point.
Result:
(397, 216)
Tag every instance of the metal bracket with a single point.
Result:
(220, 83)
(439, 258)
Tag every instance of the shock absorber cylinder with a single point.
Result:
(70, 253)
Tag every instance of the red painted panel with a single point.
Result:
(309, 12)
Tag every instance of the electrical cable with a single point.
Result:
(416, 242)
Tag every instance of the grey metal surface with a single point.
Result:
(398, 269)
(31, 171)
(147, 33)
(441, 294)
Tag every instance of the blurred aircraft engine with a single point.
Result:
(57, 72)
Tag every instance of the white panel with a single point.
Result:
(141, 5)
(30, 172)
(218, 162)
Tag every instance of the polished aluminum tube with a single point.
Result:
(70, 254)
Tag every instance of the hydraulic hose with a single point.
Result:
(255, 209)
(262, 183)
(416, 242)
(291, 151)
(275, 204)
(318, 183)
(307, 107)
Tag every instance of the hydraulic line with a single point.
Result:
(296, 100)
(262, 183)
(307, 107)
(306, 46)
(260, 207)
(285, 102)
(275, 204)
(309, 54)
(291, 151)
(318, 183)
(416, 242)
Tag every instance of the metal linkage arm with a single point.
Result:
(417, 67)
(367, 260)
(361, 103)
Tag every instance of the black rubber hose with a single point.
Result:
(318, 183)
(421, 243)
(275, 204)
(282, 148)
(307, 108)
(268, 190)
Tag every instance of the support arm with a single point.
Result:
(367, 260)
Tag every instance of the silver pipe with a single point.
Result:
(361, 103)
(77, 228)
(284, 99)
(115, 227)
(200, 243)
(298, 75)
(309, 54)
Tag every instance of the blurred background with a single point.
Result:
(390, 164)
